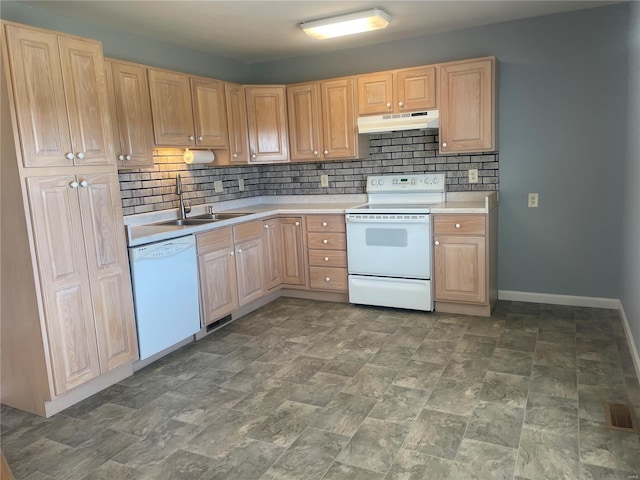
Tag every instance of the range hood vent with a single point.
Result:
(399, 121)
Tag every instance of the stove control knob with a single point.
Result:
(436, 180)
(380, 182)
(373, 181)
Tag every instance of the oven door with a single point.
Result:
(389, 245)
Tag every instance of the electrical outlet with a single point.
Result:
(324, 180)
(241, 184)
(533, 200)
(217, 186)
(473, 175)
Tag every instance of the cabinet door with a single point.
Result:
(416, 89)
(249, 269)
(171, 109)
(292, 251)
(460, 269)
(87, 105)
(375, 93)
(237, 121)
(209, 113)
(41, 110)
(267, 124)
(339, 119)
(129, 91)
(108, 267)
(66, 292)
(305, 122)
(467, 106)
(272, 242)
(218, 292)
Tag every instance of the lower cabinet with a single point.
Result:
(465, 263)
(284, 252)
(327, 243)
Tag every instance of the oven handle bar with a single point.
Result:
(387, 218)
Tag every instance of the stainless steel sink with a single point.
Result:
(212, 217)
(186, 222)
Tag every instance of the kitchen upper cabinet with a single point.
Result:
(237, 120)
(305, 122)
(171, 108)
(84, 274)
(131, 114)
(467, 106)
(209, 113)
(267, 124)
(397, 91)
(60, 98)
(339, 127)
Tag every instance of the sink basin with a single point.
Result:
(212, 217)
(186, 222)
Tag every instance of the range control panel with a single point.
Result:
(434, 182)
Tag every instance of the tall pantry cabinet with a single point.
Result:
(68, 328)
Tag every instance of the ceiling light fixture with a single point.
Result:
(347, 24)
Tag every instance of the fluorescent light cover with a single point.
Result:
(347, 24)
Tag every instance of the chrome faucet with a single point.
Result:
(183, 208)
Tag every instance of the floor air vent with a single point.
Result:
(621, 416)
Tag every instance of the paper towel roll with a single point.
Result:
(198, 156)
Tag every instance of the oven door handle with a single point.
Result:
(387, 218)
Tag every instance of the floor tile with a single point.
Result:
(371, 381)
(344, 414)
(341, 471)
(552, 414)
(609, 448)
(285, 424)
(435, 351)
(466, 367)
(543, 456)
(437, 434)
(601, 374)
(248, 460)
(374, 445)
(447, 331)
(110, 471)
(392, 356)
(591, 401)
(412, 465)
(496, 423)
(523, 341)
(505, 388)
(480, 461)
(300, 369)
(554, 355)
(593, 472)
(419, 375)
(554, 381)
(511, 361)
(454, 396)
(250, 377)
(399, 405)
(476, 345)
(180, 465)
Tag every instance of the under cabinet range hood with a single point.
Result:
(399, 121)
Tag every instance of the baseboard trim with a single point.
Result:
(571, 300)
(630, 340)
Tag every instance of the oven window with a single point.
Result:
(386, 237)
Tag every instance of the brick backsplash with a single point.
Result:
(412, 151)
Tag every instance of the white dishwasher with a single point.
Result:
(165, 293)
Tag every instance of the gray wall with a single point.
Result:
(631, 232)
(127, 46)
(562, 124)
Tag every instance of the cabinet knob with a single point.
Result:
(73, 184)
(327, 279)
(80, 155)
(69, 156)
(324, 224)
(325, 241)
(315, 152)
(239, 251)
(326, 152)
(297, 224)
(127, 158)
(231, 254)
(437, 242)
(191, 137)
(458, 225)
(121, 158)
(253, 155)
(326, 259)
(200, 138)
(235, 155)
(388, 105)
(444, 144)
(84, 183)
(401, 104)
(266, 227)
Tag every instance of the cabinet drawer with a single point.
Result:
(214, 240)
(327, 258)
(459, 224)
(327, 241)
(248, 230)
(325, 223)
(327, 278)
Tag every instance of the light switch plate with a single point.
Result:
(473, 175)
(324, 180)
(217, 186)
(533, 200)
(241, 184)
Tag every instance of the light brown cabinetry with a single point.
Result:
(467, 106)
(327, 244)
(397, 91)
(272, 241)
(59, 90)
(284, 252)
(465, 263)
(237, 121)
(305, 122)
(267, 124)
(187, 111)
(249, 261)
(130, 113)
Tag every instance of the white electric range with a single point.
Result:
(389, 241)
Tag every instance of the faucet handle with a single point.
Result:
(210, 209)
(187, 207)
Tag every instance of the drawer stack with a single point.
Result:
(327, 244)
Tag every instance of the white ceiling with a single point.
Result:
(257, 31)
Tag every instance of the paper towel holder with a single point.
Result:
(198, 156)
